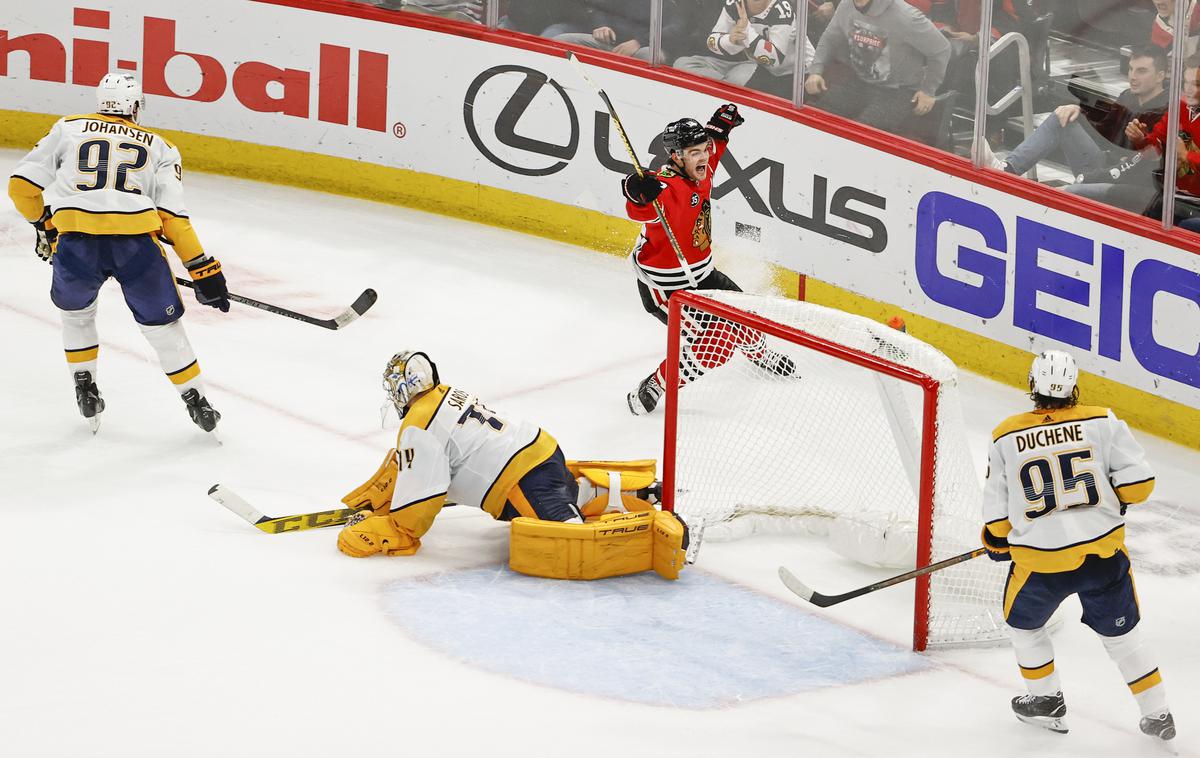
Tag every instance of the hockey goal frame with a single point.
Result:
(929, 418)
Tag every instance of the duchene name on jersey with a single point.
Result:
(1047, 437)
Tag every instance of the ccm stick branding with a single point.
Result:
(1120, 304)
(256, 85)
(515, 150)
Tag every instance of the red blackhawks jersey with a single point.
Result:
(688, 209)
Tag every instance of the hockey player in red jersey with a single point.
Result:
(683, 189)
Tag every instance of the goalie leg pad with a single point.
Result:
(612, 486)
(376, 492)
(615, 545)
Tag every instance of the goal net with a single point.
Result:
(795, 417)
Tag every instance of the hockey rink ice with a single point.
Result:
(143, 619)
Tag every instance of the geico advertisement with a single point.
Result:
(890, 229)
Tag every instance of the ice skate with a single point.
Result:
(87, 397)
(1160, 726)
(645, 398)
(777, 363)
(203, 414)
(1046, 711)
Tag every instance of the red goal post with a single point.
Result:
(743, 439)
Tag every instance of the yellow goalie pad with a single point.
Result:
(614, 545)
(376, 492)
(613, 480)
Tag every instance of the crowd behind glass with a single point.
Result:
(1076, 94)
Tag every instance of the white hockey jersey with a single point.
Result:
(102, 174)
(770, 37)
(451, 447)
(1057, 481)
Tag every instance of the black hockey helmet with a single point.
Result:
(682, 134)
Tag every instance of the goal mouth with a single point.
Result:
(788, 417)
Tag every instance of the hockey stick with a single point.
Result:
(356, 309)
(824, 601)
(637, 166)
(277, 524)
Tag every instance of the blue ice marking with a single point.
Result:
(699, 642)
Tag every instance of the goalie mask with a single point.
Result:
(1053, 374)
(407, 375)
(120, 95)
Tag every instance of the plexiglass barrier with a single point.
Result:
(1090, 97)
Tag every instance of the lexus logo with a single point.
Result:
(501, 129)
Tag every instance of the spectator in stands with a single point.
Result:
(1187, 169)
(545, 19)
(1162, 33)
(1145, 102)
(897, 57)
(459, 10)
(618, 26)
(749, 36)
(820, 13)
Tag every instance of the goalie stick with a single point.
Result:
(637, 165)
(360, 306)
(277, 524)
(824, 601)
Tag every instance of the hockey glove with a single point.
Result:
(205, 271)
(641, 190)
(47, 238)
(723, 122)
(997, 547)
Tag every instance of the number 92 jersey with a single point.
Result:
(1058, 483)
(102, 174)
(451, 443)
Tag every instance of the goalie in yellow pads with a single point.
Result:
(571, 520)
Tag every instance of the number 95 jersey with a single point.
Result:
(102, 174)
(1058, 484)
(451, 443)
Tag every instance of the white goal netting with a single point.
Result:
(791, 432)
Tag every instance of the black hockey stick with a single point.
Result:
(824, 601)
(637, 166)
(356, 309)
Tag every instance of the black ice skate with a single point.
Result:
(205, 416)
(87, 397)
(651, 494)
(777, 363)
(1046, 711)
(1160, 726)
(645, 398)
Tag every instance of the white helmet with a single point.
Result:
(120, 94)
(1053, 374)
(407, 375)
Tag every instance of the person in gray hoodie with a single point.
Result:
(898, 59)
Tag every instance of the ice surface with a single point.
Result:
(142, 619)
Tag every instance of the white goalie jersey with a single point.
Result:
(451, 445)
(1059, 482)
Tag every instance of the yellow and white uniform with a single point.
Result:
(452, 447)
(102, 174)
(1058, 483)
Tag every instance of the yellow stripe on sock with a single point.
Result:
(185, 374)
(83, 354)
(1039, 672)
(1140, 685)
